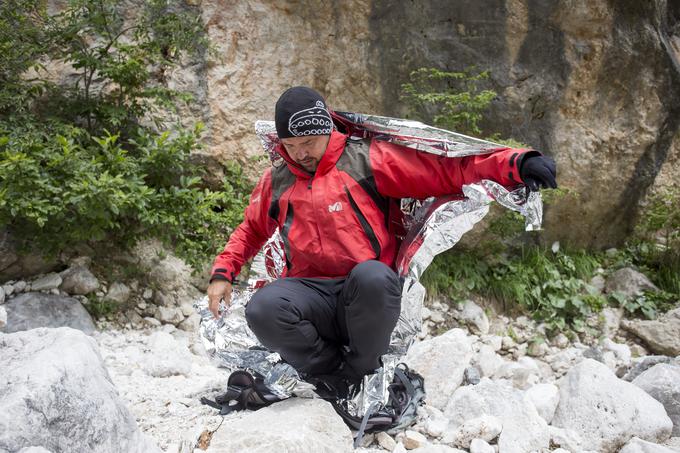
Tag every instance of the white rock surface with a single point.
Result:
(436, 449)
(544, 397)
(480, 446)
(79, 280)
(2, 295)
(167, 408)
(296, 425)
(46, 282)
(56, 393)
(385, 441)
(606, 411)
(523, 429)
(565, 438)
(413, 439)
(442, 361)
(169, 315)
(486, 427)
(662, 382)
(637, 445)
(3, 317)
(488, 361)
(166, 357)
(523, 373)
(620, 350)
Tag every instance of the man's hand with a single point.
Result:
(218, 290)
(538, 172)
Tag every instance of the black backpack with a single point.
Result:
(406, 394)
(245, 391)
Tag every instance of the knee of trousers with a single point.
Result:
(375, 278)
(261, 311)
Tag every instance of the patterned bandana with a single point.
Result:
(302, 111)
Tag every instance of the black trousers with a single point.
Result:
(323, 325)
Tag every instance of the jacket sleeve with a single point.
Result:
(402, 172)
(249, 237)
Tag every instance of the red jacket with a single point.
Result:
(335, 218)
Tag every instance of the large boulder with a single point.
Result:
(32, 310)
(661, 335)
(662, 382)
(442, 361)
(607, 412)
(523, 428)
(56, 393)
(296, 425)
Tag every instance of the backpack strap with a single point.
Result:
(244, 392)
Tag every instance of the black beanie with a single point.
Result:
(302, 111)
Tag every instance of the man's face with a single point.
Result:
(307, 150)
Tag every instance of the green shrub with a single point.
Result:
(91, 160)
(551, 287)
(454, 100)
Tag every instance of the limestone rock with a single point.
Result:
(480, 446)
(166, 356)
(662, 382)
(3, 317)
(474, 317)
(169, 315)
(605, 411)
(523, 373)
(31, 310)
(55, 392)
(661, 335)
(629, 282)
(385, 441)
(611, 320)
(435, 449)
(488, 361)
(296, 425)
(2, 295)
(413, 439)
(544, 397)
(442, 361)
(118, 293)
(637, 445)
(645, 363)
(79, 280)
(565, 438)
(46, 282)
(523, 429)
(485, 427)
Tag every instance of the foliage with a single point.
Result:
(550, 286)
(87, 160)
(657, 247)
(454, 99)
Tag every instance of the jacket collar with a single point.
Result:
(336, 144)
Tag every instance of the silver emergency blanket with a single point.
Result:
(434, 226)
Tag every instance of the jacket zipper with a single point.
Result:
(375, 244)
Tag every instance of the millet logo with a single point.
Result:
(335, 207)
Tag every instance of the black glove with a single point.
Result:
(538, 172)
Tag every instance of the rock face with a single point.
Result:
(523, 429)
(296, 425)
(661, 335)
(442, 362)
(56, 393)
(662, 382)
(607, 412)
(31, 310)
(556, 67)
